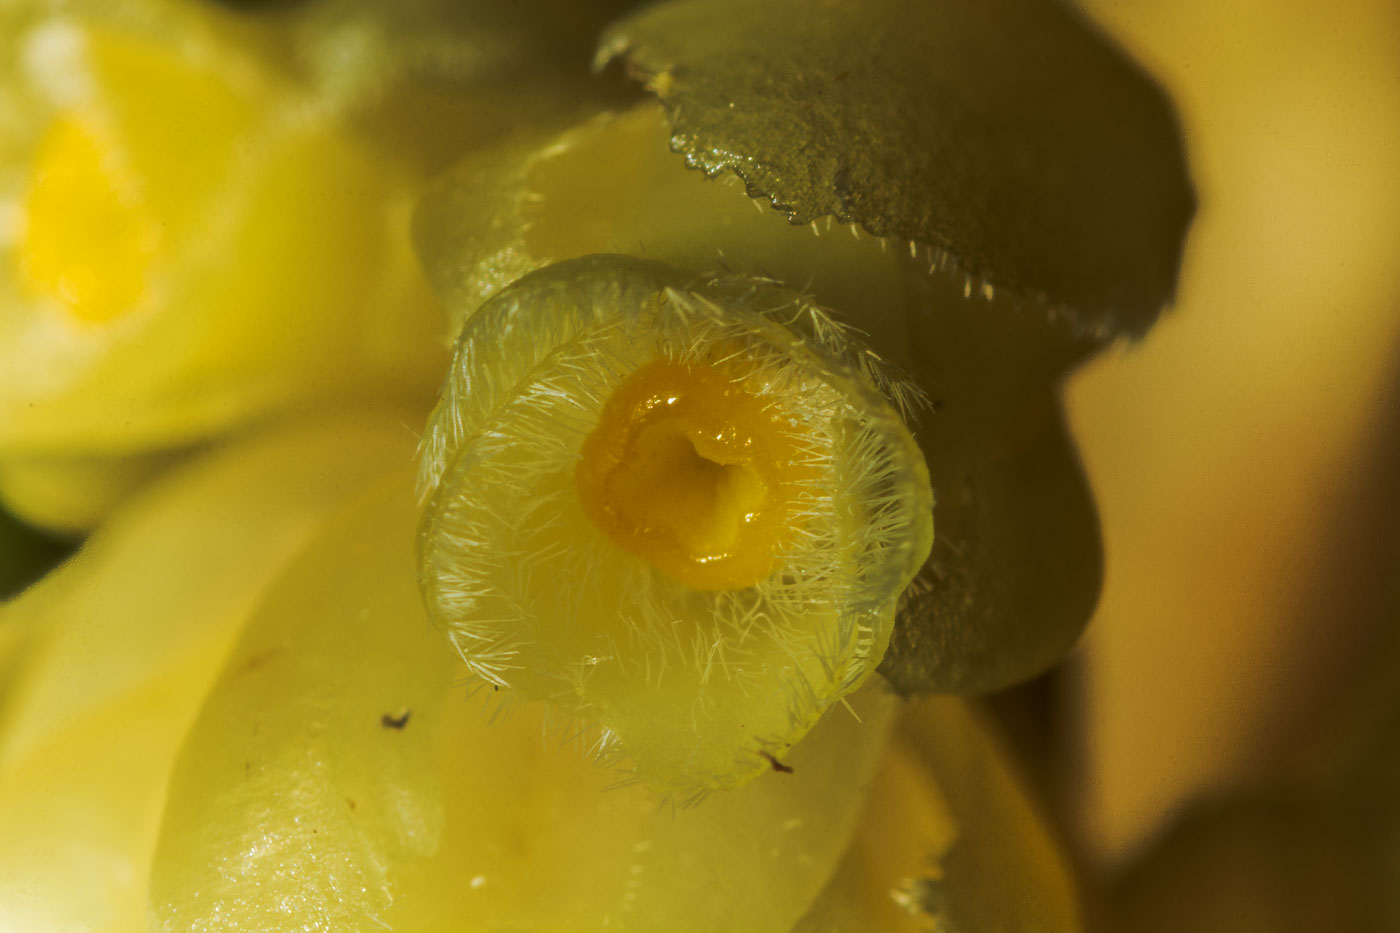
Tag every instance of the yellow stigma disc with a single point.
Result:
(695, 473)
(88, 242)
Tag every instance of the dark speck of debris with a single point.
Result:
(254, 663)
(777, 765)
(391, 721)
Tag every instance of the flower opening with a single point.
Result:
(701, 578)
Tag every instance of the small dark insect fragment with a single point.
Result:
(390, 721)
(777, 765)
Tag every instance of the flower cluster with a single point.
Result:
(705, 490)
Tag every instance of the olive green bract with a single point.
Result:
(1002, 137)
(1014, 574)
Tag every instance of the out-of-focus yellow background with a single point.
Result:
(1231, 451)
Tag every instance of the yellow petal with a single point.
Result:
(69, 495)
(108, 658)
(199, 243)
(337, 778)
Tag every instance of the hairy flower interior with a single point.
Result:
(695, 473)
(681, 516)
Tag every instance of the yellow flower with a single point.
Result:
(191, 242)
(232, 713)
(683, 513)
(676, 499)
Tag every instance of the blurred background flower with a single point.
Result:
(1244, 460)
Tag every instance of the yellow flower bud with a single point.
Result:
(191, 241)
